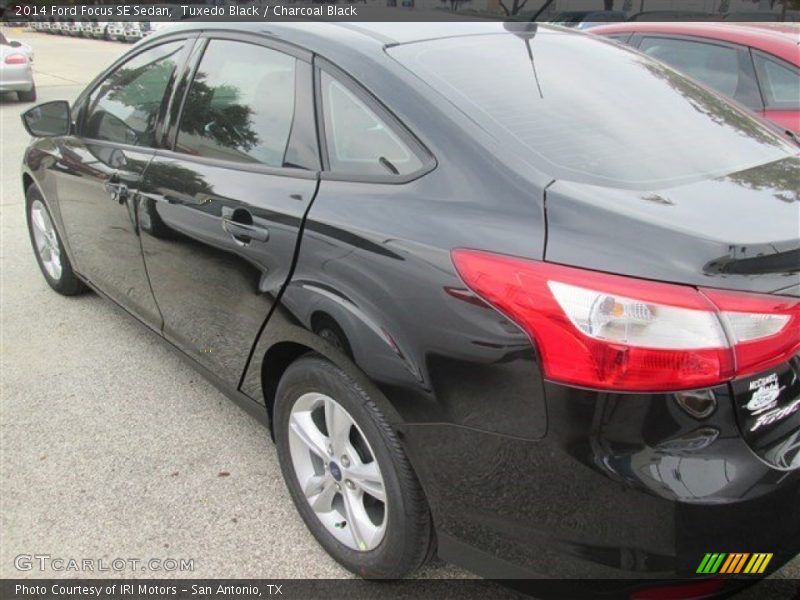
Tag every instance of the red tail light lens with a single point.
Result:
(16, 59)
(612, 332)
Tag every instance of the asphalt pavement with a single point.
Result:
(110, 445)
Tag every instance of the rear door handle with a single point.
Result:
(244, 233)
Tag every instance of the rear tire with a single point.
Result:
(48, 248)
(399, 536)
(29, 96)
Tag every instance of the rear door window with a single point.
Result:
(780, 82)
(360, 142)
(241, 105)
(363, 140)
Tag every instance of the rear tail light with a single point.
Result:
(16, 59)
(611, 332)
(763, 330)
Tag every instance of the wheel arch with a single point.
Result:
(27, 181)
(34, 177)
(280, 345)
(274, 364)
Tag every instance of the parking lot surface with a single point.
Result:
(110, 445)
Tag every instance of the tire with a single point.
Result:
(407, 538)
(63, 279)
(29, 96)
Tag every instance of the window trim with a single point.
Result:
(764, 84)
(623, 37)
(163, 116)
(742, 56)
(204, 39)
(425, 156)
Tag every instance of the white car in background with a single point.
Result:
(116, 31)
(100, 29)
(73, 28)
(85, 28)
(16, 72)
(136, 30)
(19, 46)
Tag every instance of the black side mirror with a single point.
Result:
(15, 44)
(50, 119)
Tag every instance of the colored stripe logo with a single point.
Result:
(734, 563)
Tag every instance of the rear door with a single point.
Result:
(221, 211)
(99, 170)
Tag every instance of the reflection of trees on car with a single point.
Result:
(172, 176)
(142, 85)
(781, 177)
(715, 107)
(126, 108)
(216, 113)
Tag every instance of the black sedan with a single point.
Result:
(512, 294)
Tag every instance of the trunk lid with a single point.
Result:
(740, 231)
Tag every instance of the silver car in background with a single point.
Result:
(16, 72)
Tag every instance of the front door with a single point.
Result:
(220, 216)
(103, 166)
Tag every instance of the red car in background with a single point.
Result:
(756, 64)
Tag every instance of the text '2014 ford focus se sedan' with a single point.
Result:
(524, 298)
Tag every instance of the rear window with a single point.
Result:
(592, 111)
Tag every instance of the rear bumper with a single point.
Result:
(17, 81)
(621, 486)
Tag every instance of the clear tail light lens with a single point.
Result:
(764, 330)
(611, 332)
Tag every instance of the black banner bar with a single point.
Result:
(413, 589)
(389, 10)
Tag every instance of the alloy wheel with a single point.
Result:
(47, 245)
(338, 471)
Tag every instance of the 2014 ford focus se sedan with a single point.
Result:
(525, 298)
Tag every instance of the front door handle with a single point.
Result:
(244, 233)
(118, 190)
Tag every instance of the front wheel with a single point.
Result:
(48, 248)
(347, 473)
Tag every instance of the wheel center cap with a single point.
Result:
(335, 471)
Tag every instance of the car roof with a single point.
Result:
(384, 33)
(348, 45)
(779, 39)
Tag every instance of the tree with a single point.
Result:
(515, 7)
(227, 122)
